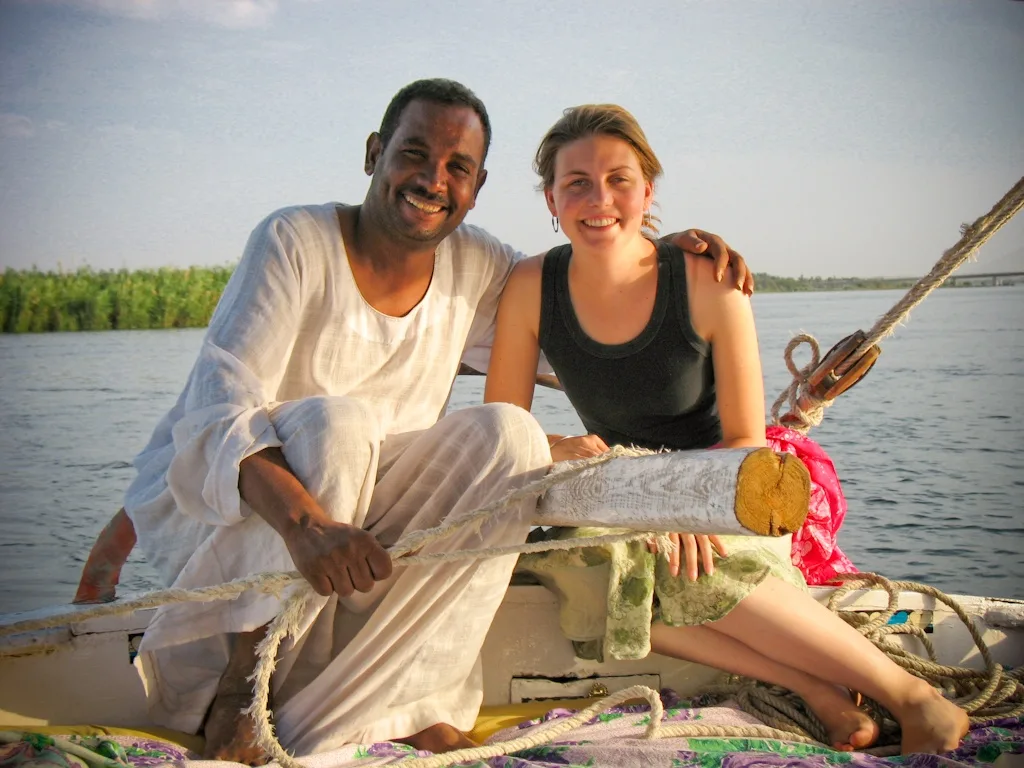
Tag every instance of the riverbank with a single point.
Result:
(85, 300)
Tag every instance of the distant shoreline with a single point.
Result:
(772, 284)
(86, 300)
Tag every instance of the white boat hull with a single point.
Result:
(82, 672)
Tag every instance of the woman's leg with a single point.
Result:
(848, 727)
(789, 626)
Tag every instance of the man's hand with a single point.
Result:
(702, 243)
(331, 556)
(582, 447)
(335, 557)
(698, 550)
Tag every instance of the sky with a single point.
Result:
(818, 138)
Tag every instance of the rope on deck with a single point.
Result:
(806, 409)
(986, 695)
(654, 730)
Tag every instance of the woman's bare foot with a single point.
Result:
(439, 737)
(930, 723)
(230, 735)
(848, 726)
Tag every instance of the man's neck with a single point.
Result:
(392, 278)
(377, 250)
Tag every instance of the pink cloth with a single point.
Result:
(815, 551)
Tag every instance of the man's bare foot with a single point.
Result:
(439, 737)
(230, 735)
(930, 723)
(848, 726)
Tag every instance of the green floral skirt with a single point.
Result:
(609, 594)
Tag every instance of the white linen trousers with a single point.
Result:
(403, 657)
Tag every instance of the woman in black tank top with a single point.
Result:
(652, 350)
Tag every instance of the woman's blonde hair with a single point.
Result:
(597, 120)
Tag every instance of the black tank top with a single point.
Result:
(656, 390)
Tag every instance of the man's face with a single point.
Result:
(426, 179)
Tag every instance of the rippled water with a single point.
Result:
(930, 447)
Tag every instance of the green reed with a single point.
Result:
(32, 301)
(85, 300)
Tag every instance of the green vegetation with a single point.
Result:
(771, 284)
(85, 300)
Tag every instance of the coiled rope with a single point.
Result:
(986, 695)
(806, 408)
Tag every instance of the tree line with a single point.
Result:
(86, 300)
(773, 284)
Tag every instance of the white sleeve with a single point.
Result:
(477, 354)
(222, 417)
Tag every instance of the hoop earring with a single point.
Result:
(554, 223)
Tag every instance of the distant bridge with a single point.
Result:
(993, 278)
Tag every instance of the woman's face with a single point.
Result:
(599, 193)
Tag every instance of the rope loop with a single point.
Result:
(794, 343)
(798, 394)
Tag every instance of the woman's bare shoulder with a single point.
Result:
(531, 264)
(526, 274)
(700, 271)
(713, 303)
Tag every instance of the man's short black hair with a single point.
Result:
(439, 91)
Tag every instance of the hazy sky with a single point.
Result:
(821, 138)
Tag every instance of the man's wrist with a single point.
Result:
(273, 492)
(301, 520)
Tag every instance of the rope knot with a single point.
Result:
(806, 409)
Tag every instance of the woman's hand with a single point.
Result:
(582, 447)
(698, 550)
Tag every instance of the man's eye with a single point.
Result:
(460, 169)
(415, 153)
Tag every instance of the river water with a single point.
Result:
(930, 447)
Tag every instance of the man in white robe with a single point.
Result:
(310, 436)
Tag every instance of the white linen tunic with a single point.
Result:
(295, 357)
(292, 324)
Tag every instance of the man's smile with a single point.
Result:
(421, 204)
